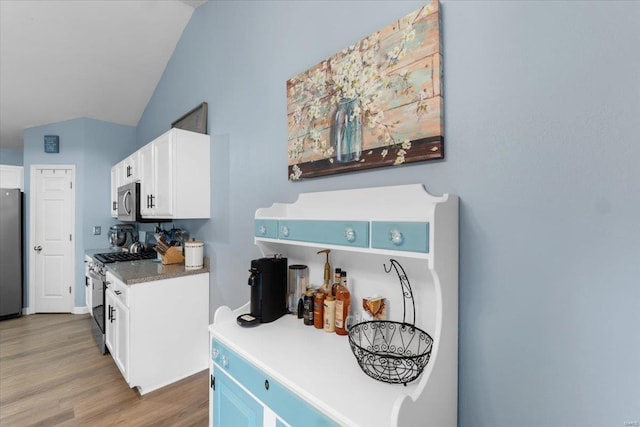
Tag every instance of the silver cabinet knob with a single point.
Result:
(350, 234)
(396, 237)
(285, 231)
(215, 353)
(224, 360)
(262, 230)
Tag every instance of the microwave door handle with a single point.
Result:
(125, 202)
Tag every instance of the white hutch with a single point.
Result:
(285, 373)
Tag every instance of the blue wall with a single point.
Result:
(541, 109)
(92, 146)
(11, 156)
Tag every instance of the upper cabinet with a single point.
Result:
(11, 176)
(174, 175)
(130, 168)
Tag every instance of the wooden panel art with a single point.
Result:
(376, 103)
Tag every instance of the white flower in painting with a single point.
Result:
(409, 33)
(384, 153)
(400, 159)
(406, 144)
(296, 174)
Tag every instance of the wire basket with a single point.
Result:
(388, 351)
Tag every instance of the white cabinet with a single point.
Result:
(130, 168)
(372, 226)
(116, 173)
(11, 176)
(117, 324)
(157, 331)
(88, 285)
(175, 177)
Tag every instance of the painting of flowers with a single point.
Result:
(376, 103)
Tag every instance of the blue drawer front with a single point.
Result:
(265, 228)
(400, 236)
(343, 233)
(287, 406)
(292, 409)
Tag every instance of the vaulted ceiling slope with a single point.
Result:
(64, 59)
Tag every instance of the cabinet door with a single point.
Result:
(109, 326)
(232, 406)
(131, 168)
(115, 183)
(163, 176)
(121, 352)
(146, 179)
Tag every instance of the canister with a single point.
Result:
(193, 254)
(298, 281)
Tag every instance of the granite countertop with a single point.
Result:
(148, 270)
(132, 272)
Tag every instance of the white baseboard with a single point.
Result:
(80, 310)
(76, 310)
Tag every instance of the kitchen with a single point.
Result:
(537, 153)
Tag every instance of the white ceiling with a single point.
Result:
(64, 59)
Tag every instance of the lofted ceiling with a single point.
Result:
(64, 59)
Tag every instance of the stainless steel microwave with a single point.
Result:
(129, 202)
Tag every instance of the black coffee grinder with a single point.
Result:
(268, 281)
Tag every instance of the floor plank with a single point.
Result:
(52, 374)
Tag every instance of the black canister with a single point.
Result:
(308, 308)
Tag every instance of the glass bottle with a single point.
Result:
(343, 299)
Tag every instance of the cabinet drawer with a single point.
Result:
(120, 290)
(285, 404)
(400, 236)
(343, 233)
(266, 228)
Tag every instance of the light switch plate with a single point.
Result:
(97, 230)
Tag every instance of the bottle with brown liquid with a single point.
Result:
(336, 281)
(318, 310)
(343, 299)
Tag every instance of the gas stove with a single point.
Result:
(111, 257)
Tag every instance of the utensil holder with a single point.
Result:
(173, 255)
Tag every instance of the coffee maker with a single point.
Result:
(268, 281)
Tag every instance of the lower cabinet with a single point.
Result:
(117, 328)
(243, 395)
(157, 331)
(235, 407)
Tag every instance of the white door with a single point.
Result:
(52, 237)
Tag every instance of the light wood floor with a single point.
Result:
(52, 374)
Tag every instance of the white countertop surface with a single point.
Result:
(317, 365)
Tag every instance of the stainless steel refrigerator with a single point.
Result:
(10, 253)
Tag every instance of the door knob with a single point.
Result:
(37, 248)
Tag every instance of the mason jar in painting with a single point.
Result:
(347, 131)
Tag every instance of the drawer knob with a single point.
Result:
(262, 230)
(266, 384)
(350, 234)
(215, 353)
(285, 231)
(225, 361)
(117, 292)
(396, 237)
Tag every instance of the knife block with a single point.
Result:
(173, 255)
